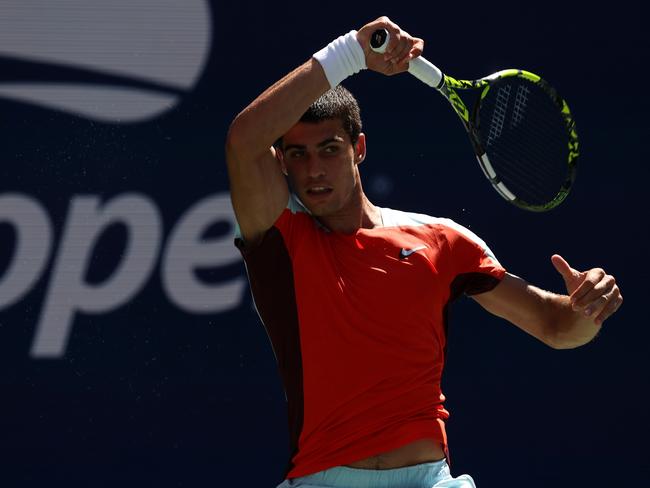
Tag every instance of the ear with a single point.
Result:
(360, 149)
(279, 155)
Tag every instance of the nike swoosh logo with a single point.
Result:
(405, 253)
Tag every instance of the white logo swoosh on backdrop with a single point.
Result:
(152, 51)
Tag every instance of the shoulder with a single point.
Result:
(399, 218)
(456, 235)
(295, 220)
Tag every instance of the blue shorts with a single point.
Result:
(425, 475)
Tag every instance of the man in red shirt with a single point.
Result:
(353, 296)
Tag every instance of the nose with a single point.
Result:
(315, 167)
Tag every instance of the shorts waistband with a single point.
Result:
(416, 476)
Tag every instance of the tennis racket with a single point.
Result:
(521, 130)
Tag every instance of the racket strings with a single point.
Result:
(534, 192)
(499, 114)
(546, 129)
(529, 176)
(547, 124)
(525, 137)
(533, 164)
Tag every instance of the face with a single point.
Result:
(321, 165)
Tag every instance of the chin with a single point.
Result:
(317, 212)
(318, 209)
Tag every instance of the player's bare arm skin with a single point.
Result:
(258, 188)
(560, 321)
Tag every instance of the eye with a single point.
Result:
(331, 149)
(296, 154)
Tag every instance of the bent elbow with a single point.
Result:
(234, 137)
(561, 345)
(559, 340)
(243, 142)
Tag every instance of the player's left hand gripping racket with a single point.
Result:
(522, 131)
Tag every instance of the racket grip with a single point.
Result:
(421, 68)
(426, 72)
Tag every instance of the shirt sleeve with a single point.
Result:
(284, 224)
(475, 269)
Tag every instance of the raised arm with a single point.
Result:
(560, 321)
(258, 188)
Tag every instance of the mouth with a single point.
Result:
(317, 191)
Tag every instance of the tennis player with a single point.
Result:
(354, 297)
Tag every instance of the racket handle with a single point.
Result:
(421, 68)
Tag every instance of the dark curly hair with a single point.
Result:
(337, 103)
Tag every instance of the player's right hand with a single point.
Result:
(402, 47)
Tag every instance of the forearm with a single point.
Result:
(277, 109)
(547, 316)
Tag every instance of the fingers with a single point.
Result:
(598, 297)
(414, 49)
(562, 266)
(572, 277)
(398, 47)
(401, 47)
(612, 306)
(596, 283)
(417, 48)
(593, 293)
(604, 306)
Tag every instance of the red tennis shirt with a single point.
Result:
(358, 325)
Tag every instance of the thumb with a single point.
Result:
(568, 273)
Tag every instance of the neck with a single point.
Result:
(360, 213)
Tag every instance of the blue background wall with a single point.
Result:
(149, 393)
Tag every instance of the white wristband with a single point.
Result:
(341, 58)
